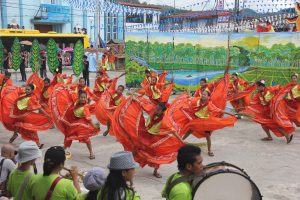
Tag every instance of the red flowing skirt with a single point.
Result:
(129, 129)
(72, 127)
(244, 96)
(27, 123)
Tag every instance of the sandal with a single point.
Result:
(290, 139)
(267, 139)
(211, 154)
(41, 146)
(92, 157)
(13, 138)
(68, 154)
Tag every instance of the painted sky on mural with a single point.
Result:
(206, 40)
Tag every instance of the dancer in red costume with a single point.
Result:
(102, 82)
(80, 86)
(156, 92)
(60, 78)
(45, 95)
(73, 119)
(293, 100)
(150, 147)
(106, 106)
(6, 87)
(204, 87)
(269, 109)
(203, 121)
(147, 79)
(239, 93)
(19, 114)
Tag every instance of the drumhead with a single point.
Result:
(226, 185)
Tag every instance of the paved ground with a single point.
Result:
(273, 166)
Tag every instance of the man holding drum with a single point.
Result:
(178, 186)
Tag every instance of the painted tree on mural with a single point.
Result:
(52, 60)
(78, 58)
(1, 54)
(16, 54)
(35, 59)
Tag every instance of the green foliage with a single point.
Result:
(16, 54)
(52, 55)
(134, 73)
(1, 54)
(35, 59)
(78, 58)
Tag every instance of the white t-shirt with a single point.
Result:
(8, 166)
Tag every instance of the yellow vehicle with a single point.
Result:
(63, 40)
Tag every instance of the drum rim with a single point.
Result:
(211, 174)
(223, 163)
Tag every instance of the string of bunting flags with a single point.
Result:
(109, 7)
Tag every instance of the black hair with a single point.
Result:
(260, 84)
(84, 56)
(80, 92)
(203, 79)
(31, 86)
(92, 195)
(122, 86)
(54, 157)
(147, 71)
(235, 74)
(294, 75)
(47, 80)
(187, 155)
(162, 105)
(114, 184)
(81, 78)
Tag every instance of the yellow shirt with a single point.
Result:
(118, 101)
(155, 128)
(23, 103)
(268, 97)
(295, 92)
(202, 112)
(156, 94)
(79, 112)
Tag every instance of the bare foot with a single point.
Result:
(92, 157)
(105, 133)
(157, 175)
(289, 139)
(211, 154)
(266, 139)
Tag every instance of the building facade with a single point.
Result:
(58, 16)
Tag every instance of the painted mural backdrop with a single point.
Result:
(189, 57)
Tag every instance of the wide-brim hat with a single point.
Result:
(28, 151)
(122, 160)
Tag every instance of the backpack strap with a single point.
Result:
(22, 188)
(171, 184)
(1, 165)
(50, 191)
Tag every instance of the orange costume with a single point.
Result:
(101, 84)
(6, 86)
(4, 83)
(269, 109)
(147, 80)
(209, 87)
(293, 103)
(239, 94)
(18, 114)
(61, 78)
(188, 114)
(71, 118)
(77, 87)
(108, 103)
(149, 147)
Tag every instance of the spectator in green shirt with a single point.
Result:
(189, 161)
(118, 185)
(62, 189)
(19, 180)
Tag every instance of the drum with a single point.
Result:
(224, 181)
